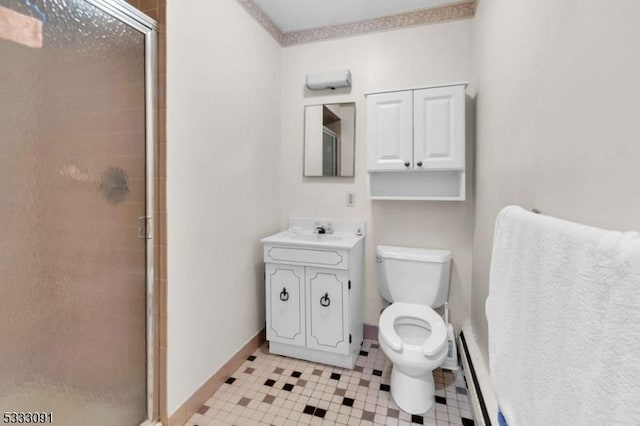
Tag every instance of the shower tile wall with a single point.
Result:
(156, 9)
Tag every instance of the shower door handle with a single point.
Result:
(144, 227)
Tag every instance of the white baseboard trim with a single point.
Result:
(481, 396)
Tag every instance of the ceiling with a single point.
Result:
(296, 15)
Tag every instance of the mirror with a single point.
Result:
(329, 139)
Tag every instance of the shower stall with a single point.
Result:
(77, 138)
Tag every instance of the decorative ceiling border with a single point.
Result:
(450, 12)
(262, 19)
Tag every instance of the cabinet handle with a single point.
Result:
(407, 164)
(284, 296)
(325, 301)
(419, 163)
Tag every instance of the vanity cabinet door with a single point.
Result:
(390, 131)
(439, 128)
(285, 303)
(327, 310)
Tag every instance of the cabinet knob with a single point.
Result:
(324, 300)
(419, 163)
(284, 296)
(407, 164)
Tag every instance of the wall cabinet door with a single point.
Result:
(285, 303)
(439, 128)
(327, 310)
(390, 131)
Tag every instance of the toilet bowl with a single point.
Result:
(411, 334)
(414, 338)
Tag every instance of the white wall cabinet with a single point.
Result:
(314, 298)
(416, 144)
(389, 130)
(439, 128)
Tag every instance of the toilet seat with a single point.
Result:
(434, 343)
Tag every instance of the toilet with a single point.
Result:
(411, 334)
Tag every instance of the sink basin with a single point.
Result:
(315, 237)
(301, 234)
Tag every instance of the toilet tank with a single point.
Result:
(414, 275)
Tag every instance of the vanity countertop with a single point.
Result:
(342, 240)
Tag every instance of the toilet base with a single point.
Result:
(413, 394)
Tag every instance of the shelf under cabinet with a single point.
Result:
(434, 185)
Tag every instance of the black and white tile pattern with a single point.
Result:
(274, 390)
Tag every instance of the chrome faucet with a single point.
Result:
(322, 229)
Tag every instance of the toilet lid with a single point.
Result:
(436, 340)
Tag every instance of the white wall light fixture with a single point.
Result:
(329, 80)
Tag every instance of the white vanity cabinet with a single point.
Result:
(416, 143)
(285, 303)
(327, 310)
(313, 292)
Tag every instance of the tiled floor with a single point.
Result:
(274, 390)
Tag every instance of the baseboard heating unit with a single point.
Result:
(481, 397)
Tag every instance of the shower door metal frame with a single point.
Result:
(131, 16)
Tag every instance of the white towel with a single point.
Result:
(564, 322)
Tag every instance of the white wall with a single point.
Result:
(398, 59)
(558, 128)
(223, 154)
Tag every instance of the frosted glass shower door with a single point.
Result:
(73, 168)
